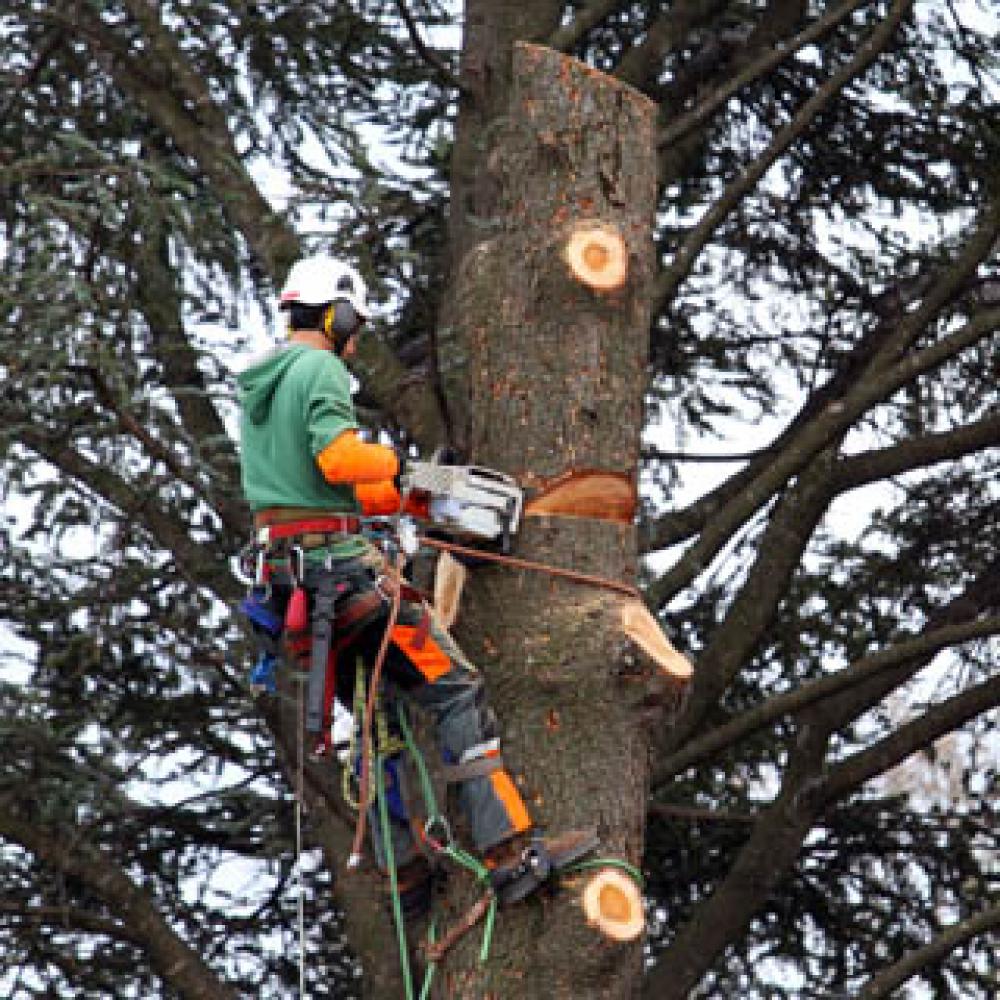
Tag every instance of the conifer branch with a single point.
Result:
(888, 980)
(426, 53)
(175, 961)
(566, 38)
(861, 767)
(920, 647)
(770, 60)
(675, 273)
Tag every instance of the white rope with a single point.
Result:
(301, 903)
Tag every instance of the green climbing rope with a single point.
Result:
(449, 848)
(590, 864)
(390, 864)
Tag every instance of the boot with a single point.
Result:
(524, 863)
(415, 883)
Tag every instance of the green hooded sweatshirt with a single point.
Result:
(294, 402)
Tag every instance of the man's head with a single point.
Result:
(325, 295)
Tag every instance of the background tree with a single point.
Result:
(826, 290)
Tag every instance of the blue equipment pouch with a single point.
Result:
(262, 675)
(257, 607)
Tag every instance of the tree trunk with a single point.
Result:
(556, 376)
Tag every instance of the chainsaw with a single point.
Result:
(468, 499)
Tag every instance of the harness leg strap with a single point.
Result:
(455, 774)
(322, 637)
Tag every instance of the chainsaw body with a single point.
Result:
(468, 499)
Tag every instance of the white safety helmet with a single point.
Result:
(319, 280)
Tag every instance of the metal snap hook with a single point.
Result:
(297, 565)
(240, 566)
(438, 822)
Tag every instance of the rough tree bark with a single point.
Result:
(556, 377)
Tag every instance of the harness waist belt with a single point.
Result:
(316, 525)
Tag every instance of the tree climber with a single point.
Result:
(309, 477)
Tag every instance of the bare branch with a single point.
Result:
(671, 278)
(886, 982)
(651, 454)
(694, 814)
(773, 58)
(920, 648)
(908, 739)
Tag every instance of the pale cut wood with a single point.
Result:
(449, 579)
(646, 632)
(597, 257)
(612, 904)
(604, 496)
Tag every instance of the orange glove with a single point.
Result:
(384, 498)
(348, 459)
(377, 498)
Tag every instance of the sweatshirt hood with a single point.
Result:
(257, 384)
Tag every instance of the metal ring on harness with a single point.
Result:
(433, 822)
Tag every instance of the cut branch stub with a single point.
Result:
(646, 632)
(597, 256)
(612, 904)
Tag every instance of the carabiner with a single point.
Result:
(297, 565)
(240, 566)
(432, 823)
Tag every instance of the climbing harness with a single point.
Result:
(279, 554)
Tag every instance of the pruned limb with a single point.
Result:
(597, 256)
(612, 905)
